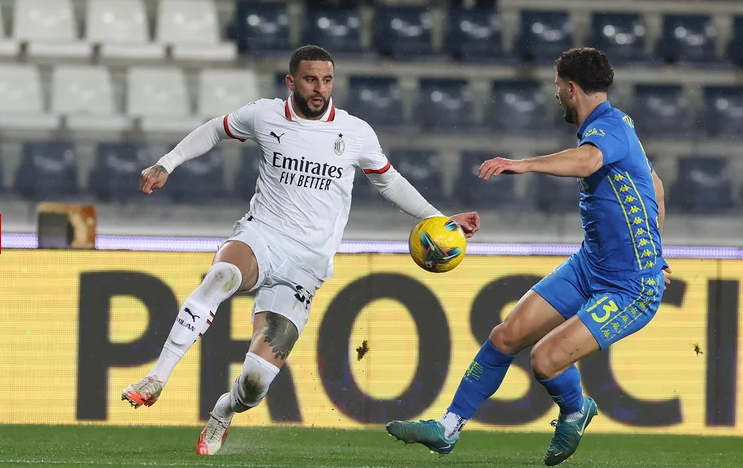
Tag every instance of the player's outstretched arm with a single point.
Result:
(576, 162)
(192, 146)
(401, 193)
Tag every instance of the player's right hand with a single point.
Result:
(153, 178)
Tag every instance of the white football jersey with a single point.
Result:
(306, 174)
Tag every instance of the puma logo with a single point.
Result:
(278, 137)
(193, 317)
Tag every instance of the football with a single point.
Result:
(437, 244)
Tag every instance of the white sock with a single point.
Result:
(223, 408)
(453, 425)
(196, 315)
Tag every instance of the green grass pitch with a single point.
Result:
(76, 446)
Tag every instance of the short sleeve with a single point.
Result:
(372, 159)
(240, 124)
(609, 139)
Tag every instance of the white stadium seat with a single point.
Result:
(224, 91)
(22, 99)
(84, 93)
(122, 29)
(8, 47)
(160, 98)
(50, 29)
(191, 27)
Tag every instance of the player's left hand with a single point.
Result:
(469, 222)
(667, 272)
(496, 166)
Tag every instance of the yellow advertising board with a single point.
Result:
(77, 327)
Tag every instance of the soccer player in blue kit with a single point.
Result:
(608, 290)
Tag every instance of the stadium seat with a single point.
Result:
(735, 46)
(688, 39)
(337, 30)
(723, 111)
(191, 28)
(702, 186)
(422, 169)
(159, 97)
(84, 94)
(50, 29)
(48, 171)
(8, 47)
(518, 107)
(621, 36)
(550, 194)
(22, 99)
(544, 35)
(661, 111)
(404, 33)
(474, 35)
(224, 91)
(262, 29)
(121, 29)
(471, 190)
(115, 176)
(446, 105)
(200, 181)
(378, 100)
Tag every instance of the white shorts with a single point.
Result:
(282, 287)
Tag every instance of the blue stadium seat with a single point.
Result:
(115, 176)
(724, 111)
(661, 111)
(471, 190)
(446, 105)
(518, 107)
(551, 194)
(281, 91)
(621, 36)
(48, 171)
(475, 35)
(688, 39)
(544, 35)
(200, 181)
(262, 28)
(702, 186)
(422, 169)
(378, 100)
(336, 30)
(735, 46)
(404, 33)
(247, 176)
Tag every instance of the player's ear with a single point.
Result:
(289, 82)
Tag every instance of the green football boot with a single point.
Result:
(568, 434)
(429, 433)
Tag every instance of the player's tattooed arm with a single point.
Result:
(280, 333)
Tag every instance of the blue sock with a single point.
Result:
(565, 389)
(481, 380)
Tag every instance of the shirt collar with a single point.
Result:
(600, 110)
(289, 113)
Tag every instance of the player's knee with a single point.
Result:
(223, 279)
(543, 366)
(505, 339)
(253, 383)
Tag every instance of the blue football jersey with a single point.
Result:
(617, 202)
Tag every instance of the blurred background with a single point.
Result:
(93, 91)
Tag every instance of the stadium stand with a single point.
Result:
(439, 81)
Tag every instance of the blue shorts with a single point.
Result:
(611, 309)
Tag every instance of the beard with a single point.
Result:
(304, 106)
(570, 116)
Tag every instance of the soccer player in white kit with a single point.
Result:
(283, 247)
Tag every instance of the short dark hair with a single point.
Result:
(311, 53)
(586, 66)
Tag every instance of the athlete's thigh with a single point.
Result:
(622, 308)
(241, 255)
